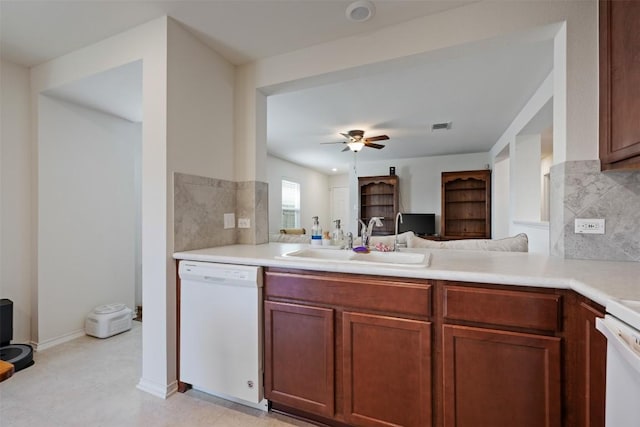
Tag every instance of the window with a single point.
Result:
(290, 204)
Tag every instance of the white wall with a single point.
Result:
(537, 232)
(500, 215)
(526, 162)
(339, 201)
(341, 180)
(86, 215)
(420, 180)
(15, 202)
(314, 193)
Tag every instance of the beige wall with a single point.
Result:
(199, 107)
(15, 202)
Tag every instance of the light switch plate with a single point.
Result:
(244, 223)
(229, 220)
(589, 226)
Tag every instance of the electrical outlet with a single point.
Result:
(244, 223)
(589, 226)
(229, 220)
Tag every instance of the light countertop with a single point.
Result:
(599, 281)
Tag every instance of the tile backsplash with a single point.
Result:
(580, 190)
(200, 204)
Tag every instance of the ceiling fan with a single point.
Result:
(355, 141)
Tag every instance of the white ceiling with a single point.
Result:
(479, 87)
(32, 32)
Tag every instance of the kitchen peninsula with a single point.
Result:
(475, 336)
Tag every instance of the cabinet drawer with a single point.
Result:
(344, 290)
(518, 309)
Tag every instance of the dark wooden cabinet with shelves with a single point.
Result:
(619, 84)
(379, 196)
(466, 205)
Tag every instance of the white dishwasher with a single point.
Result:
(621, 327)
(221, 330)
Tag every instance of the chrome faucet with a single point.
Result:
(367, 230)
(395, 239)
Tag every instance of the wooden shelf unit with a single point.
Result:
(379, 196)
(466, 205)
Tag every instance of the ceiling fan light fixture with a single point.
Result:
(360, 11)
(355, 146)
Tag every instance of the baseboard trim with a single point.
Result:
(52, 342)
(156, 389)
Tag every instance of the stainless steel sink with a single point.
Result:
(383, 259)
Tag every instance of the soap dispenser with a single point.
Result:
(338, 235)
(316, 232)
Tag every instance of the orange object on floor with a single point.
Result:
(6, 370)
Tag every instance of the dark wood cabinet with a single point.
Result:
(299, 353)
(500, 378)
(376, 329)
(501, 356)
(358, 350)
(586, 365)
(619, 84)
(466, 205)
(379, 196)
(387, 370)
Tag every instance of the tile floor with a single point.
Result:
(91, 382)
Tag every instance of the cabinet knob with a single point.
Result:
(250, 384)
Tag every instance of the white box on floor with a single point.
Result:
(108, 320)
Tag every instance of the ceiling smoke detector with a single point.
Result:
(441, 126)
(360, 11)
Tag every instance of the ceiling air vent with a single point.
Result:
(441, 126)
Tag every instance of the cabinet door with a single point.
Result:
(387, 371)
(299, 357)
(498, 378)
(592, 366)
(619, 84)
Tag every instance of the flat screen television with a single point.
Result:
(422, 224)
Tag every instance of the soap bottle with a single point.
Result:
(338, 235)
(316, 232)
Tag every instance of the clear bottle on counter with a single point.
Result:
(316, 232)
(338, 236)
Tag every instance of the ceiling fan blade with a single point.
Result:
(336, 142)
(373, 145)
(347, 136)
(377, 138)
(346, 149)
